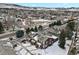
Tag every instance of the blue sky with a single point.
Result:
(50, 5)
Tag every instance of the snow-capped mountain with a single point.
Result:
(6, 5)
(15, 6)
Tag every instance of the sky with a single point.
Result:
(49, 5)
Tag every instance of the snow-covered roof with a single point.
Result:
(54, 37)
(40, 20)
(36, 38)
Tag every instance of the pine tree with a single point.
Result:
(55, 23)
(50, 25)
(69, 34)
(28, 30)
(35, 29)
(1, 28)
(58, 22)
(40, 27)
(62, 39)
(71, 25)
(19, 33)
(32, 29)
(70, 28)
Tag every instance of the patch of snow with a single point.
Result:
(36, 38)
(4, 39)
(33, 32)
(18, 53)
(44, 24)
(31, 48)
(77, 35)
(8, 44)
(40, 20)
(38, 51)
(53, 50)
(38, 43)
(17, 48)
(28, 53)
(27, 44)
(65, 19)
(24, 23)
(22, 28)
(53, 36)
(23, 52)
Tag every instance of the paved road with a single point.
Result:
(9, 34)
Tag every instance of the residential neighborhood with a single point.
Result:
(38, 30)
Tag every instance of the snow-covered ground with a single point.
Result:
(41, 20)
(51, 50)
(4, 39)
(54, 50)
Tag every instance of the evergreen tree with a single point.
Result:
(19, 33)
(35, 29)
(69, 34)
(62, 39)
(50, 25)
(28, 30)
(1, 28)
(40, 27)
(58, 22)
(32, 29)
(55, 23)
(70, 28)
(71, 25)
